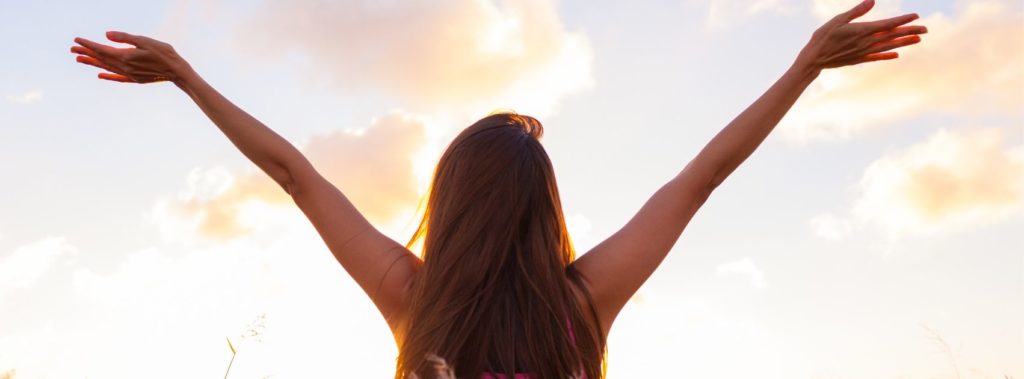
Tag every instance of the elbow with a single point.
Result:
(288, 187)
(712, 184)
(288, 184)
(702, 189)
(695, 191)
(283, 177)
(708, 185)
(699, 184)
(704, 193)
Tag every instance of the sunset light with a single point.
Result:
(877, 233)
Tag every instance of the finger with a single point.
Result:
(877, 57)
(857, 11)
(902, 31)
(96, 63)
(889, 23)
(99, 48)
(894, 44)
(84, 51)
(115, 77)
(123, 37)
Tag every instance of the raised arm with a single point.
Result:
(618, 266)
(381, 266)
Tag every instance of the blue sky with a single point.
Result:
(854, 227)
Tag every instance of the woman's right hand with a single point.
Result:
(147, 62)
(841, 42)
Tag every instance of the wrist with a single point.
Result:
(806, 68)
(183, 75)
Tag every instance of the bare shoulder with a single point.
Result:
(398, 317)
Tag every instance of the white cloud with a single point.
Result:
(953, 71)
(579, 227)
(726, 13)
(729, 13)
(433, 55)
(743, 267)
(182, 297)
(23, 268)
(831, 227)
(29, 97)
(827, 9)
(951, 180)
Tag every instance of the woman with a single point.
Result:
(498, 291)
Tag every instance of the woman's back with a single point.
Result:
(526, 375)
(496, 285)
(444, 367)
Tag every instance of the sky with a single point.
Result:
(875, 234)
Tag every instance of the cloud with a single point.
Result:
(743, 267)
(233, 247)
(475, 54)
(726, 13)
(827, 9)
(23, 268)
(831, 227)
(967, 65)
(374, 167)
(580, 228)
(729, 13)
(181, 299)
(951, 180)
(29, 97)
(181, 296)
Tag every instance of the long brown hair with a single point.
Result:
(493, 294)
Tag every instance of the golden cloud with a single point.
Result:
(950, 180)
(477, 53)
(970, 64)
(373, 167)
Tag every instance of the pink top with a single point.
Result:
(488, 375)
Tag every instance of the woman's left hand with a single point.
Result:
(842, 42)
(147, 62)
